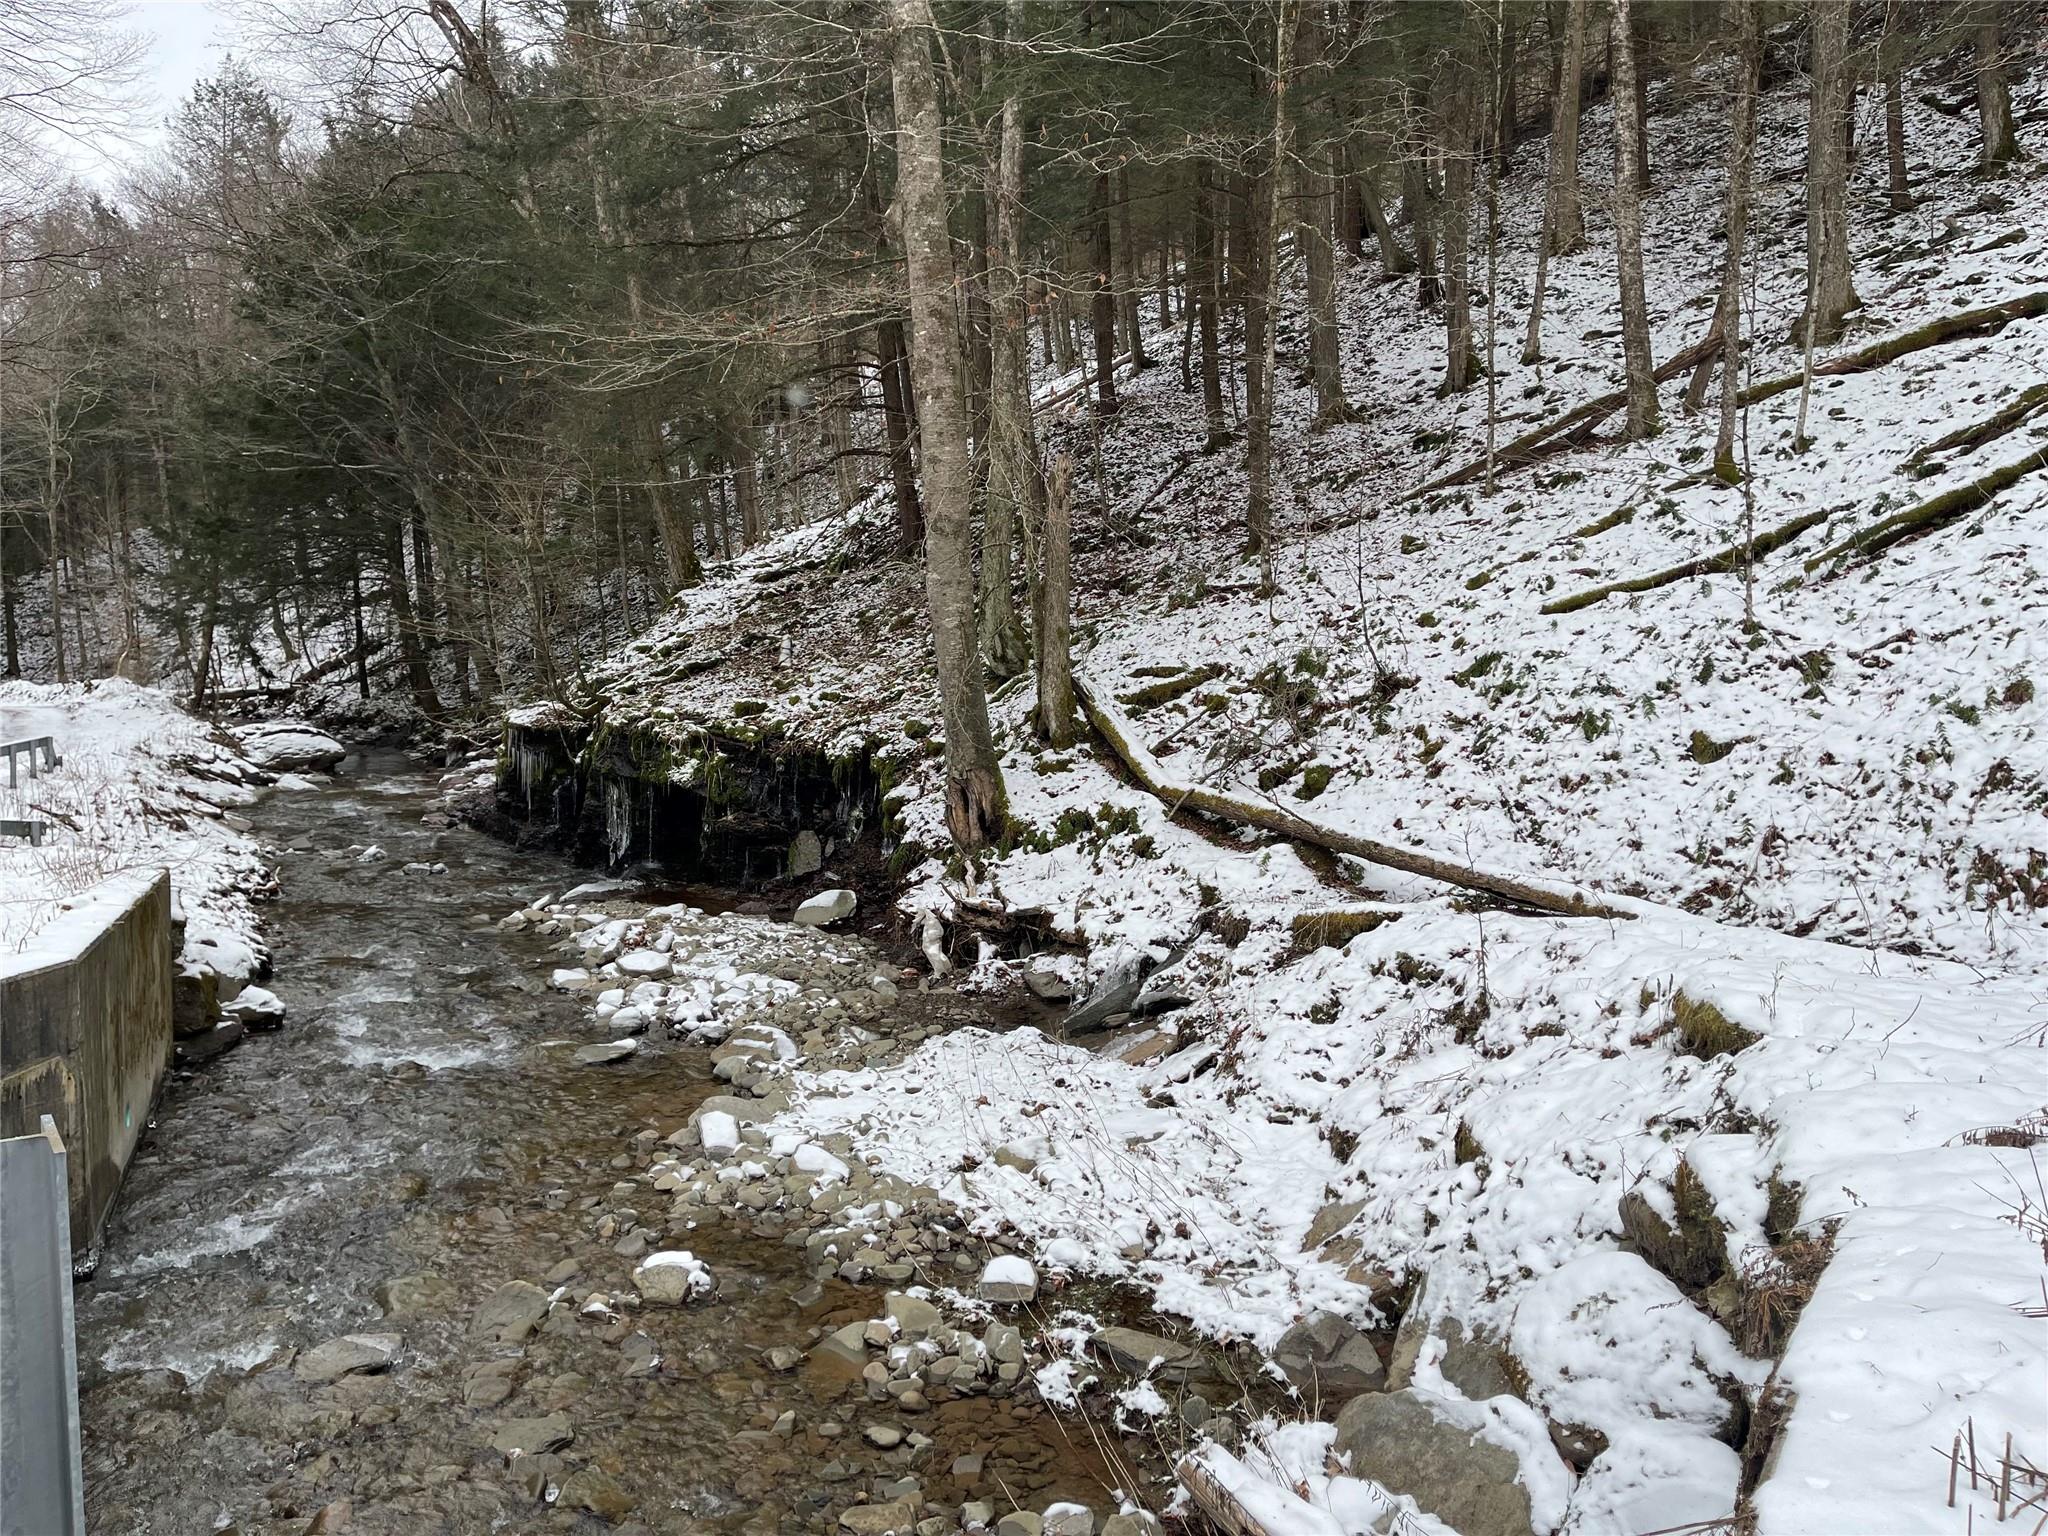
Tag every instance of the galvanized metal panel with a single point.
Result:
(42, 1484)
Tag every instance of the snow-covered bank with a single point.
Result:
(141, 785)
(1739, 1194)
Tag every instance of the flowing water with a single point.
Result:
(419, 1121)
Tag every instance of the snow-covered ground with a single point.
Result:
(142, 785)
(1821, 1032)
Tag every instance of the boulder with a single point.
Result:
(286, 746)
(1328, 1359)
(898, 1517)
(1047, 984)
(672, 1277)
(510, 1313)
(914, 1319)
(827, 907)
(595, 1493)
(347, 1356)
(1008, 1280)
(806, 853)
(606, 1052)
(1144, 1354)
(1417, 1444)
(255, 1008)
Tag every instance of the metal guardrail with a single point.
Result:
(42, 1480)
(14, 751)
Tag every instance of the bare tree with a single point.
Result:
(1999, 143)
(1628, 234)
(1830, 290)
(1741, 172)
(976, 810)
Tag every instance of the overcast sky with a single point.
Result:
(186, 41)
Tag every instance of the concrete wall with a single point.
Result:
(85, 1034)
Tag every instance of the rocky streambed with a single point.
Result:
(425, 1261)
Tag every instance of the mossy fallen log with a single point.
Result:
(1568, 430)
(2010, 416)
(1541, 895)
(1720, 561)
(1956, 327)
(1931, 514)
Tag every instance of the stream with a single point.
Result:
(415, 1137)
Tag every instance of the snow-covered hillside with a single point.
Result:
(1618, 1151)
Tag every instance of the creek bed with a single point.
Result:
(415, 1137)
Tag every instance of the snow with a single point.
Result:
(1829, 829)
(142, 785)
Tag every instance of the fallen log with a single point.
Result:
(1542, 895)
(1729, 559)
(2013, 414)
(1956, 327)
(1930, 514)
(1227, 1491)
(1570, 429)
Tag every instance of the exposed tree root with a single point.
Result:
(1543, 896)
(1945, 508)
(1976, 435)
(1729, 559)
(1572, 428)
(1964, 323)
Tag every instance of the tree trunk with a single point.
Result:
(894, 366)
(1051, 619)
(419, 680)
(1741, 169)
(355, 592)
(1639, 88)
(1504, 122)
(1461, 366)
(1831, 294)
(1325, 359)
(1628, 236)
(1014, 490)
(1891, 63)
(976, 812)
(1394, 256)
(1103, 307)
(1999, 143)
(1259, 363)
(1207, 299)
(1418, 204)
(1564, 216)
(1126, 274)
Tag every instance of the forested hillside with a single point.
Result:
(1448, 595)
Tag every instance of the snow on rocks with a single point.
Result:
(672, 1277)
(287, 746)
(1008, 1279)
(825, 908)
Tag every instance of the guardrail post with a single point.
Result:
(42, 1479)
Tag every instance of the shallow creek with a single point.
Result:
(416, 1136)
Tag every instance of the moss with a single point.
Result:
(1413, 971)
(917, 730)
(1480, 666)
(1705, 1031)
(1465, 1146)
(1273, 776)
(1693, 1252)
(1334, 930)
(1314, 780)
(1425, 621)
(747, 708)
(1411, 545)
(1164, 692)
(1704, 749)
(1473, 584)
(1601, 525)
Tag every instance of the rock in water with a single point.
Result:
(256, 1008)
(898, 1517)
(346, 1356)
(281, 746)
(827, 907)
(605, 1052)
(1008, 1279)
(530, 1437)
(511, 1312)
(1328, 1359)
(672, 1277)
(1415, 1443)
